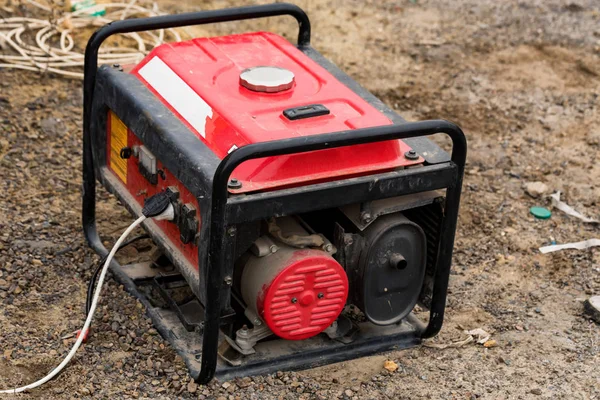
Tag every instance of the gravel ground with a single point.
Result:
(521, 77)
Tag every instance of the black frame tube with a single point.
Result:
(145, 24)
(217, 253)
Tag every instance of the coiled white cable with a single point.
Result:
(90, 316)
(61, 59)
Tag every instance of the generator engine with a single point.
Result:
(311, 221)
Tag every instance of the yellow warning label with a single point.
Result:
(118, 140)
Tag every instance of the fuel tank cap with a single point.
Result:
(267, 79)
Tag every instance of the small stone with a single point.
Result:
(592, 307)
(490, 343)
(536, 391)
(53, 126)
(348, 392)
(536, 189)
(593, 138)
(192, 387)
(225, 385)
(390, 365)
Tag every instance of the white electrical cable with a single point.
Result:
(61, 58)
(90, 316)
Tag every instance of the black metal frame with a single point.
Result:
(227, 211)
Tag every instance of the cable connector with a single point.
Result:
(157, 205)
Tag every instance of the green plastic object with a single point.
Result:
(77, 5)
(540, 212)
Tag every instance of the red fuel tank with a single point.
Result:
(202, 81)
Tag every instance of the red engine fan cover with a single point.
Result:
(305, 298)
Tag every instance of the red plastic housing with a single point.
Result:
(198, 80)
(140, 189)
(304, 298)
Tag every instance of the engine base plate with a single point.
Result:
(270, 356)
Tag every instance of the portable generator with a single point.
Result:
(310, 219)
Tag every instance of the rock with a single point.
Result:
(536, 391)
(536, 189)
(52, 126)
(390, 365)
(225, 385)
(592, 307)
(490, 343)
(593, 138)
(7, 354)
(348, 392)
(192, 387)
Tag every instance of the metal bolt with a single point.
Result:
(228, 280)
(328, 247)
(234, 184)
(294, 300)
(231, 231)
(273, 248)
(118, 67)
(257, 322)
(366, 217)
(243, 332)
(411, 155)
(320, 295)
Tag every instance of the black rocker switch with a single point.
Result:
(309, 111)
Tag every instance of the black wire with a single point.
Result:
(92, 283)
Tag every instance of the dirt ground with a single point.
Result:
(521, 77)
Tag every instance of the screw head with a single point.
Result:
(411, 155)
(366, 217)
(234, 184)
(294, 300)
(117, 67)
(228, 280)
(328, 247)
(320, 295)
(231, 231)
